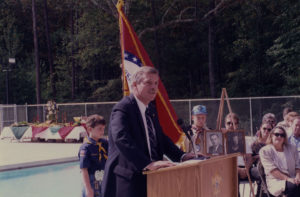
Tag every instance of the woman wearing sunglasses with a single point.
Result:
(262, 136)
(281, 164)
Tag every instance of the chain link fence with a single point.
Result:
(250, 110)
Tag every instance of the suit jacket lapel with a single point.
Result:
(139, 118)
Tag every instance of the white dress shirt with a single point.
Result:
(142, 107)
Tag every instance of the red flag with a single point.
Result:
(134, 56)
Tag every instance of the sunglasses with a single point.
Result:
(268, 129)
(279, 134)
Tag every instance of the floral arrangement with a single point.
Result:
(52, 110)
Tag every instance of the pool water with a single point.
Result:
(60, 180)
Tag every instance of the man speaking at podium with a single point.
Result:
(136, 140)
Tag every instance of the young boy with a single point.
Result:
(93, 155)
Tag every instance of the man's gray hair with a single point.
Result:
(268, 116)
(138, 75)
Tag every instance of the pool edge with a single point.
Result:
(37, 163)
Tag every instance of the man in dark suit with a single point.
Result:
(136, 140)
(216, 147)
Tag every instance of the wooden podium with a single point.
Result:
(210, 178)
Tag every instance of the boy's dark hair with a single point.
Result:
(94, 120)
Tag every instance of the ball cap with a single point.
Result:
(199, 109)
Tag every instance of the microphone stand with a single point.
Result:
(191, 141)
(186, 132)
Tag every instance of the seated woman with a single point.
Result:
(262, 136)
(281, 164)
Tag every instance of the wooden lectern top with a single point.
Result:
(193, 163)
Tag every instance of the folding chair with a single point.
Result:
(264, 188)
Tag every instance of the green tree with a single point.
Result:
(285, 51)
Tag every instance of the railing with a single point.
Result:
(250, 110)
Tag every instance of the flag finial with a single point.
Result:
(120, 4)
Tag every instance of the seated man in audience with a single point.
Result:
(198, 127)
(285, 123)
(290, 118)
(231, 122)
(269, 118)
(295, 137)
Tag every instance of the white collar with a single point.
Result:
(141, 105)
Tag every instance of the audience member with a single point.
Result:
(231, 122)
(261, 139)
(284, 123)
(281, 164)
(260, 142)
(295, 137)
(269, 118)
(198, 127)
(290, 118)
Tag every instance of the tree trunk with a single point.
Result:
(211, 52)
(157, 47)
(72, 55)
(50, 58)
(36, 54)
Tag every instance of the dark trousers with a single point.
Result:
(292, 190)
(134, 187)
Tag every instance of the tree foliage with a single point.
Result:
(256, 49)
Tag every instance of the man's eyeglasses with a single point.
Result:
(279, 134)
(268, 129)
(270, 121)
(231, 123)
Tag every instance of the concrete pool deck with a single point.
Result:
(16, 155)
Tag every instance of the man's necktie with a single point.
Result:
(152, 137)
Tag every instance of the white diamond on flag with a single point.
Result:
(131, 64)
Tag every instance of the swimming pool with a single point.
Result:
(60, 180)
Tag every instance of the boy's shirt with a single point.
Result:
(93, 155)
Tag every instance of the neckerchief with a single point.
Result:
(101, 149)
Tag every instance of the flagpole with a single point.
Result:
(119, 6)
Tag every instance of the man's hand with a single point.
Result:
(291, 180)
(159, 164)
(297, 180)
(189, 156)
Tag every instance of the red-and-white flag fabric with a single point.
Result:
(134, 56)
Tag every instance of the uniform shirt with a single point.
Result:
(197, 138)
(93, 155)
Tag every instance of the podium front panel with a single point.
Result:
(216, 177)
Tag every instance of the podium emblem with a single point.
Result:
(216, 181)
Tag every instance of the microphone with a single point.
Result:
(185, 130)
(181, 124)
